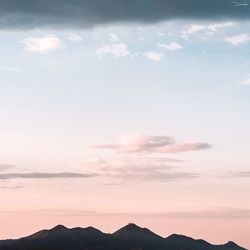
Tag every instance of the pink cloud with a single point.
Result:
(151, 144)
(136, 169)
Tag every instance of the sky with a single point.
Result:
(125, 111)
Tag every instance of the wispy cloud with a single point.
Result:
(113, 37)
(171, 46)
(75, 38)
(136, 169)
(238, 39)
(11, 187)
(210, 29)
(115, 49)
(152, 144)
(156, 56)
(221, 213)
(42, 44)
(8, 176)
(236, 174)
(245, 82)
(13, 69)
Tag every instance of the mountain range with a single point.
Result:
(130, 237)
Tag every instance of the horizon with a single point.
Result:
(115, 111)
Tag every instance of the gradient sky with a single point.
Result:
(126, 118)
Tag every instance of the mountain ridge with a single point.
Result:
(129, 237)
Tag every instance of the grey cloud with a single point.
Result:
(28, 14)
(152, 144)
(178, 148)
(9, 176)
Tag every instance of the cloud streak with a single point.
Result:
(238, 39)
(29, 14)
(9, 176)
(245, 82)
(152, 144)
(223, 213)
(236, 174)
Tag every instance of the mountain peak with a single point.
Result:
(132, 230)
(59, 228)
(129, 228)
(231, 244)
(132, 226)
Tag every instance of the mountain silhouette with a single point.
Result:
(130, 237)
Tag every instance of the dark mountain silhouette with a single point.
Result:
(141, 238)
(130, 237)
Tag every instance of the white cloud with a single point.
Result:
(211, 28)
(214, 27)
(113, 37)
(154, 55)
(75, 38)
(245, 82)
(116, 49)
(171, 46)
(238, 39)
(11, 69)
(42, 44)
(141, 38)
(194, 28)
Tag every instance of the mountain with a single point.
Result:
(130, 237)
(138, 237)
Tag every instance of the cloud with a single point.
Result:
(156, 56)
(183, 147)
(236, 174)
(12, 187)
(172, 46)
(113, 37)
(215, 26)
(238, 39)
(75, 38)
(116, 49)
(136, 169)
(210, 28)
(13, 69)
(42, 44)
(222, 213)
(9, 176)
(4, 167)
(152, 144)
(245, 82)
(63, 14)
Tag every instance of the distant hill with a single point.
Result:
(130, 237)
